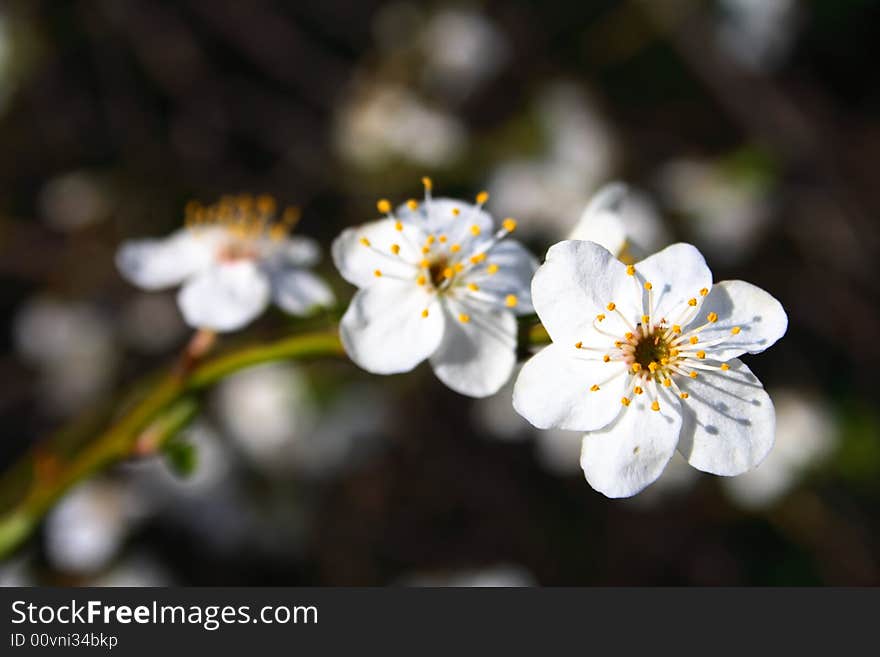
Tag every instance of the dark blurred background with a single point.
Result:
(753, 125)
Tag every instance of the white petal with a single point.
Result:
(299, 291)
(729, 421)
(601, 221)
(437, 217)
(630, 454)
(575, 283)
(298, 251)
(677, 273)
(383, 330)
(154, 264)
(476, 357)
(224, 297)
(358, 263)
(553, 390)
(760, 318)
(516, 267)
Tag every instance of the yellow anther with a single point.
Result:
(693, 375)
(638, 390)
(473, 287)
(694, 339)
(594, 388)
(578, 345)
(631, 270)
(266, 204)
(648, 286)
(664, 361)
(448, 273)
(482, 197)
(655, 406)
(395, 249)
(667, 382)
(377, 273)
(463, 318)
(455, 248)
(277, 233)
(426, 250)
(735, 330)
(412, 204)
(384, 206)
(606, 358)
(398, 225)
(618, 344)
(430, 240)
(701, 354)
(712, 317)
(455, 212)
(611, 306)
(492, 269)
(676, 328)
(458, 267)
(725, 367)
(365, 241)
(600, 317)
(425, 312)
(684, 395)
(475, 230)
(624, 401)
(510, 300)
(645, 319)
(424, 263)
(443, 239)
(653, 366)
(692, 302)
(428, 183)
(704, 291)
(509, 224)
(421, 280)
(628, 335)
(636, 368)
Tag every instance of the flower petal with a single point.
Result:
(358, 262)
(677, 274)
(630, 454)
(299, 291)
(438, 217)
(153, 264)
(553, 390)
(516, 267)
(760, 318)
(298, 251)
(224, 297)
(477, 356)
(384, 331)
(601, 221)
(729, 421)
(575, 283)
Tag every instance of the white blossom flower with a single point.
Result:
(231, 258)
(644, 358)
(436, 281)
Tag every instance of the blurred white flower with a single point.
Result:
(17, 572)
(437, 281)
(151, 324)
(381, 124)
(88, 527)
(74, 200)
(231, 260)
(624, 221)
(498, 575)
(135, 570)
(806, 435)
(758, 33)
(726, 213)
(549, 191)
(73, 347)
(659, 371)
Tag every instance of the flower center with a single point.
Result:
(651, 348)
(438, 270)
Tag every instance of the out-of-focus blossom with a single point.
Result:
(725, 210)
(382, 124)
(806, 435)
(758, 33)
(437, 281)
(498, 575)
(231, 259)
(16, 572)
(151, 324)
(73, 347)
(135, 570)
(645, 359)
(622, 220)
(549, 191)
(74, 200)
(85, 531)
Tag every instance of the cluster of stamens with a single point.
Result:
(438, 264)
(655, 350)
(245, 218)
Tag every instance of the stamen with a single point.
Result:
(509, 224)
(492, 269)
(455, 248)
(365, 241)
(600, 317)
(692, 302)
(378, 273)
(456, 212)
(510, 300)
(735, 330)
(625, 401)
(398, 225)
(395, 249)
(384, 206)
(425, 312)
(412, 204)
(594, 388)
(421, 280)
(630, 270)
(464, 318)
(475, 230)
(704, 291)
(724, 367)
(712, 318)
(578, 345)
(638, 390)
(701, 354)
(473, 287)
(478, 258)
(429, 185)
(611, 306)
(482, 197)
(655, 405)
